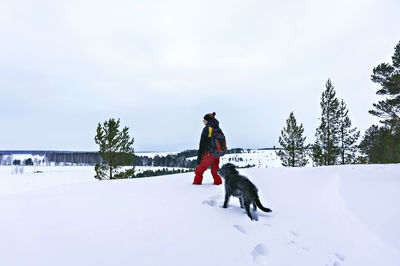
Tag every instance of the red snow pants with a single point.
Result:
(207, 160)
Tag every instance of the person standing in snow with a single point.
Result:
(204, 156)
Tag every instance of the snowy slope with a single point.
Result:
(341, 215)
(256, 158)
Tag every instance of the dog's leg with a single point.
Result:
(227, 195)
(247, 207)
(241, 202)
(254, 206)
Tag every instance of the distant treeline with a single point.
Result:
(72, 158)
(91, 158)
(163, 171)
(170, 160)
(174, 160)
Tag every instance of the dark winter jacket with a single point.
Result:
(205, 138)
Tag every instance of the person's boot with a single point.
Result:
(217, 180)
(197, 180)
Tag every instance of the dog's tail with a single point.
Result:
(259, 205)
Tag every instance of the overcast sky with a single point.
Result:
(160, 66)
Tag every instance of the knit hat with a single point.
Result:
(208, 117)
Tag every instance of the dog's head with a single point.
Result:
(227, 170)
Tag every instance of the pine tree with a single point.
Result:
(388, 76)
(115, 150)
(326, 148)
(347, 136)
(382, 144)
(292, 141)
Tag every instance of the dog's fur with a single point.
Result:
(239, 186)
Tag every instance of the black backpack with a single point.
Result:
(217, 144)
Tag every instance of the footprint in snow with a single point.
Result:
(336, 263)
(339, 256)
(210, 202)
(258, 252)
(240, 228)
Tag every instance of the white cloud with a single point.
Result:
(251, 61)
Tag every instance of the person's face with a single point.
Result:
(205, 122)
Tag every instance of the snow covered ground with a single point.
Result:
(340, 215)
(8, 159)
(258, 158)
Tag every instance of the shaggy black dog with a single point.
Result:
(239, 186)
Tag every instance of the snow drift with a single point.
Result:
(340, 215)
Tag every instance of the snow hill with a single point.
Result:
(254, 158)
(340, 215)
